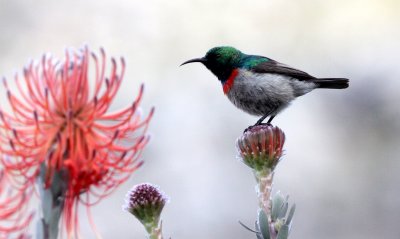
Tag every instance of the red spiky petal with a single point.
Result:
(14, 215)
(56, 120)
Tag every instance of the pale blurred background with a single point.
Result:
(342, 163)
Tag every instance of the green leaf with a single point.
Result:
(248, 228)
(259, 235)
(263, 224)
(277, 203)
(283, 210)
(290, 215)
(283, 232)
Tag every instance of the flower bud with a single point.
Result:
(261, 147)
(146, 201)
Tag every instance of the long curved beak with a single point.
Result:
(202, 60)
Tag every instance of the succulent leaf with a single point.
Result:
(290, 215)
(248, 228)
(263, 224)
(277, 203)
(283, 232)
(283, 210)
(259, 235)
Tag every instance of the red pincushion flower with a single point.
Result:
(261, 147)
(58, 122)
(14, 217)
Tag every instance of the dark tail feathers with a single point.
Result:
(332, 83)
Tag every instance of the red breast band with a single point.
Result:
(229, 83)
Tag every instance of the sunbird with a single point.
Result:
(260, 85)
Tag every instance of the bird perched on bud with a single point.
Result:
(259, 85)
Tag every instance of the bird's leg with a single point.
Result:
(270, 119)
(259, 122)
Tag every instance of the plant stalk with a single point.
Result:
(264, 189)
(52, 204)
(155, 232)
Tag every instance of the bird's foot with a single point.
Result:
(268, 123)
(248, 128)
(257, 124)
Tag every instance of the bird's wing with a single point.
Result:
(272, 66)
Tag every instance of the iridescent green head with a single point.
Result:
(221, 61)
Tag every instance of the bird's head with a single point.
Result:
(220, 61)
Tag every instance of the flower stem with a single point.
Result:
(154, 231)
(264, 188)
(52, 203)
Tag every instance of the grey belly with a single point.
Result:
(257, 105)
(262, 94)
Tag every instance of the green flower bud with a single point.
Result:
(261, 147)
(146, 201)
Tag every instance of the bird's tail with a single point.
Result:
(332, 83)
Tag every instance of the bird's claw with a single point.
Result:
(248, 128)
(257, 124)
